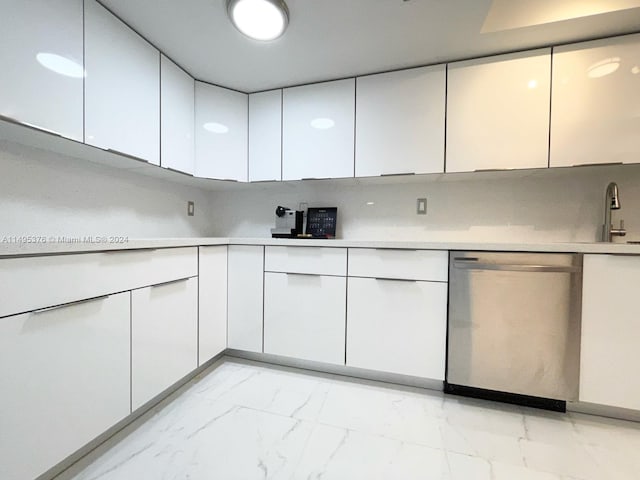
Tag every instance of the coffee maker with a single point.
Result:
(288, 223)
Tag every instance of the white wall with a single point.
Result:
(42, 193)
(527, 206)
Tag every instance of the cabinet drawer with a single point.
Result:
(31, 283)
(314, 260)
(429, 265)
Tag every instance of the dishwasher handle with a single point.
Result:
(471, 263)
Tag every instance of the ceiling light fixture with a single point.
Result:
(259, 19)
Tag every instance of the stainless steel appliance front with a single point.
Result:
(514, 323)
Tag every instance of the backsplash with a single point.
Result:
(523, 206)
(46, 194)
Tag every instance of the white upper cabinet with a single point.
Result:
(221, 133)
(400, 119)
(177, 107)
(122, 87)
(41, 53)
(265, 136)
(498, 112)
(596, 102)
(318, 130)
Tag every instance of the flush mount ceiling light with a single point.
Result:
(259, 19)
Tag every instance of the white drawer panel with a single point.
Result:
(430, 265)
(314, 260)
(30, 283)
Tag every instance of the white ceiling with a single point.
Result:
(329, 39)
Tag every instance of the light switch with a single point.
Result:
(421, 208)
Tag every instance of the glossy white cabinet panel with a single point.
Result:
(212, 313)
(498, 112)
(430, 265)
(122, 87)
(265, 136)
(595, 112)
(221, 133)
(43, 66)
(318, 130)
(304, 316)
(164, 337)
(29, 283)
(397, 326)
(65, 379)
(313, 260)
(400, 119)
(177, 111)
(245, 293)
(610, 348)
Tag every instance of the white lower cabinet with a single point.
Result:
(397, 326)
(245, 293)
(610, 347)
(304, 316)
(212, 298)
(64, 373)
(164, 337)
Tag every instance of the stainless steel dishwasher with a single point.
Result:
(514, 327)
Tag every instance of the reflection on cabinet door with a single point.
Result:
(65, 379)
(595, 112)
(400, 122)
(318, 130)
(177, 117)
(122, 87)
(164, 337)
(43, 67)
(265, 136)
(304, 316)
(498, 112)
(397, 326)
(610, 347)
(212, 314)
(245, 284)
(221, 133)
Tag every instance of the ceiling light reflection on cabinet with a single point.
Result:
(604, 67)
(259, 19)
(60, 65)
(322, 123)
(215, 127)
(635, 70)
(532, 84)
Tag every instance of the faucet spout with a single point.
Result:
(611, 202)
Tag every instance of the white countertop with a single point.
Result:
(11, 246)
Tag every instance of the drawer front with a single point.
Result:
(428, 265)
(32, 283)
(314, 260)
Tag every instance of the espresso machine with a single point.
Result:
(288, 223)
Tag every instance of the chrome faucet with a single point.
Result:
(611, 202)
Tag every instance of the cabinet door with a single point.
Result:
(400, 122)
(498, 112)
(245, 287)
(304, 316)
(65, 379)
(122, 87)
(596, 100)
(318, 130)
(212, 315)
(265, 136)
(41, 52)
(410, 342)
(221, 133)
(177, 107)
(610, 348)
(164, 337)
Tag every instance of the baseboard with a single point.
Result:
(604, 411)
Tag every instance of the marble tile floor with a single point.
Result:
(245, 420)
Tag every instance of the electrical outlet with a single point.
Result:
(421, 206)
(191, 207)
